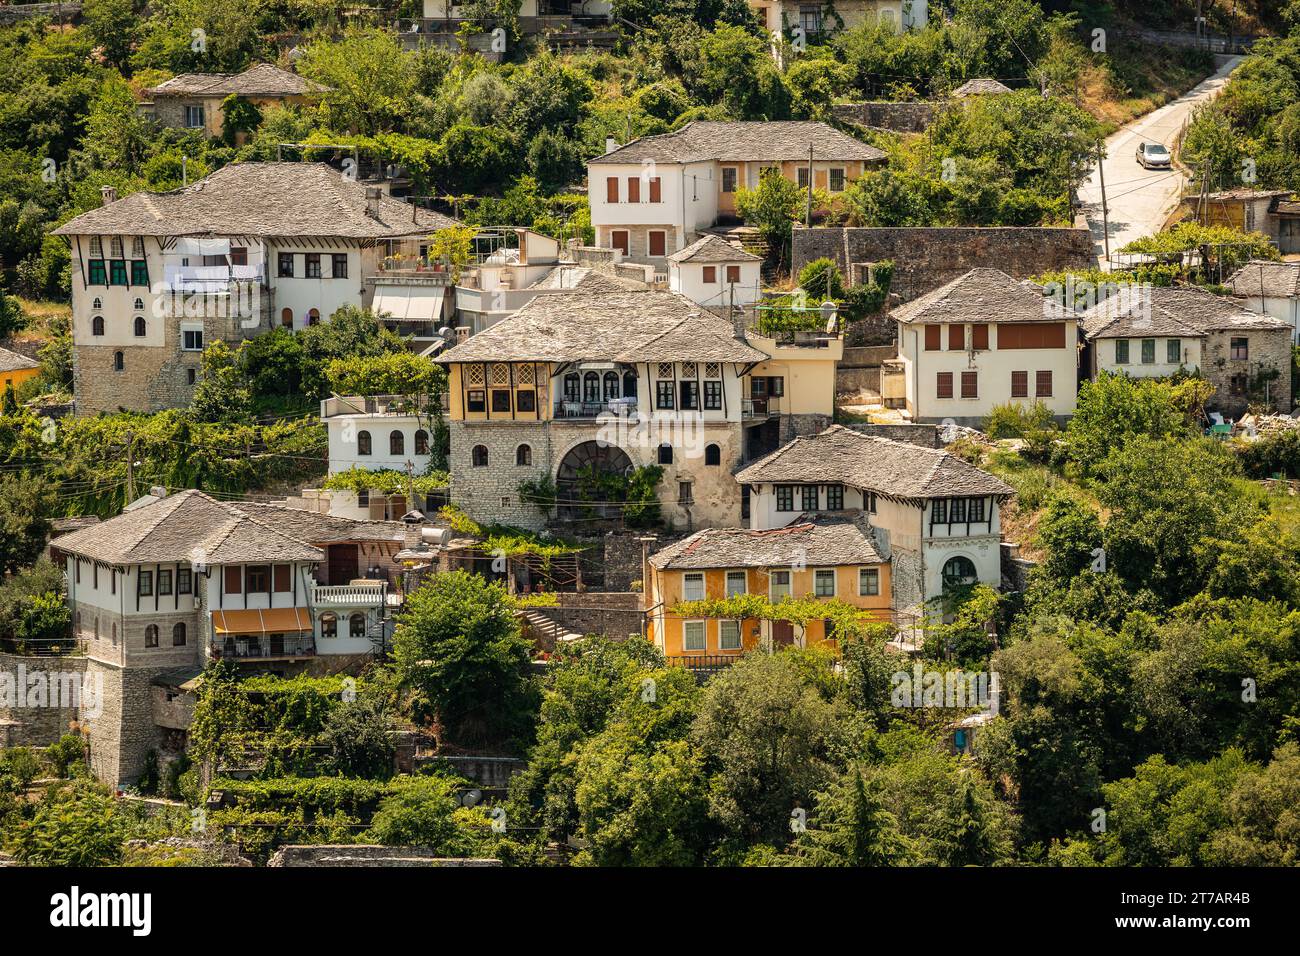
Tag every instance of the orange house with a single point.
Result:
(15, 369)
(827, 559)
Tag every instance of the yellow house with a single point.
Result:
(823, 560)
(15, 368)
(193, 100)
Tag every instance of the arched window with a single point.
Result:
(611, 386)
(357, 625)
(150, 635)
(178, 634)
(421, 442)
(97, 325)
(363, 443)
(396, 443)
(139, 305)
(98, 303)
(629, 384)
(572, 387)
(712, 455)
(591, 387)
(524, 456)
(959, 572)
(139, 326)
(313, 316)
(478, 456)
(119, 361)
(329, 625)
(665, 454)
(286, 318)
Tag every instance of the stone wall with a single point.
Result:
(1268, 350)
(58, 12)
(926, 258)
(1015, 569)
(910, 117)
(623, 556)
(40, 725)
(354, 854)
(927, 436)
(611, 613)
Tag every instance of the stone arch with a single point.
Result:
(602, 458)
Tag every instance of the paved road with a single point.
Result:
(1140, 200)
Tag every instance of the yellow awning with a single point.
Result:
(280, 620)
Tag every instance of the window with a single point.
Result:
(363, 442)
(665, 454)
(96, 247)
(693, 636)
(834, 497)
(633, 189)
(685, 494)
(164, 582)
(1174, 352)
(1031, 335)
(957, 510)
(151, 635)
(690, 396)
(285, 260)
(572, 387)
(591, 388)
(192, 340)
(139, 276)
(526, 400)
(144, 584)
(736, 583)
(611, 189)
(397, 441)
(779, 585)
(712, 395)
(808, 497)
(663, 394)
(1148, 351)
(629, 384)
(97, 304)
(728, 635)
(712, 455)
(139, 327)
(956, 337)
(710, 275)
(479, 456)
(193, 117)
(178, 634)
(970, 384)
(339, 265)
(656, 189)
(733, 275)
(357, 625)
(476, 400)
(191, 376)
(868, 582)
(421, 442)
(803, 177)
(871, 501)
(117, 272)
(1121, 351)
(329, 625)
(184, 581)
(239, 255)
(119, 362)
(824, 582)
(693, 586)
(611, 385)
(785, 497)
(1237, 384)
(1019, 384)
(658, 241)
(939, 511)
(836, 180)
(286, 315)
(979, 336)
(363, 498)
(97, 274)
(943, 385)
(97, 325)
(618, 238)
(259, 579)
(1043, 384)
(728, 179)
(524, 456)
(1239, 348)
(283, 578)
(975, 509)
(115, 249)
(958, 572)
(810, 18)
(311, 265)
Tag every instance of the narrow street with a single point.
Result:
(1140, 200)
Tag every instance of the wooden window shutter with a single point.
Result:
(932, 338)
(956, 337)
(1043, 384)
(1019, 384)
(234, 579)
(656, 192)
(282, 573)
(970, 384)
(633, 189)
(710, 274)
(611, 189)
(979, 336)
(943, 385)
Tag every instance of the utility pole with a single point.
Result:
(130, 466)
(1105, 209)
(410, 485)
(807, 216)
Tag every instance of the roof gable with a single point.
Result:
(745, 141)
(984, 295)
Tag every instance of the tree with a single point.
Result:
(359, 735)
(11, 315)
(851, 827)
(113, 25)
(222, 394)
(425, 814)
(350, 333)
(26, 505)
(238, 115)
(73, 826)
(459, 645)
(1115, 409)
(771, 207)
(1069, 531)
(822, 279)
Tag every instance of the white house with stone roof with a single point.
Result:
(655, 195)
(194, 100)
(1270, 288)
(982, 340)
(157, 276)
(820, 19)
(937, 518)
(715, 273)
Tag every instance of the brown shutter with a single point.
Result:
(1031, 335)
(943, 385)
(656, 193)
(733, 273)
(970, 385)
(1019, 384)
(234, 579)
(932, 338)
(710, 273)
(1043, 384)
(282, 577)
(956, 337)
(611, 189)
(633, 189)
(657, 247)
(979, 334)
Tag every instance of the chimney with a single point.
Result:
(372, 201)
(158, 491)
(411, 533)
(611, 144)
(738, 323)
(109, 194)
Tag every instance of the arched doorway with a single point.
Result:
(286, 318)
(583, 485)
(959, 572)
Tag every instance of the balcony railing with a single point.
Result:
(264, 647)
(761, 407)
(621, 407)
(349, 595)
(703, 665)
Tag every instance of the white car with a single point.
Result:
(1153, 156)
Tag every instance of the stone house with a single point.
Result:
(178, 580)
(936, 518)
(157, 276)
(193, 100)
(1270, 288)
(1148, 342)
(1269, 211)
(655, 195)
(816, 19)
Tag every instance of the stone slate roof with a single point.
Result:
(1184, 305)
(746, 141)
(841, 455)
(263, 79)
(982, 86)
(713, 249)
(190, 524)
(1134, 313)
(984, 295)
(817, 543)
(14, 362)
(259, 199)
(1276, 279)
(606, 326)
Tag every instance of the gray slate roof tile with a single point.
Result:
(818, 543)
(745, 141)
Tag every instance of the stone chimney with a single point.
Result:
(413, 522)
(108, 194)
(611, 144)
(373, 193)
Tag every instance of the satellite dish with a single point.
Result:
(446, 333)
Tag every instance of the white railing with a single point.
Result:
(349, 595)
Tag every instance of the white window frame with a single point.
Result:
(772, 585)
(868, 574)
(744, 583)
(722, 639)
(844, 179)
(185, 330)
(688, 578)
(817, 573)
(704, 635)
(201, 113)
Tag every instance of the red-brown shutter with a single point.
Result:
(234, 579)
(656, 193)
(733, 273)
(611, 189)
(282, 577)
(979, 335)
(970, 385)
(932, 338)
(657, 244)
(943, 385)
(1043, 384)
(633, 189)
(1019, 384)
(710, 273)
(956, 337)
